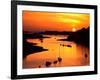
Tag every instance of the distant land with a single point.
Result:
(80, 37)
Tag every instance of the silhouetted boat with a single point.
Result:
(55, 62)
(85, 55)
(62, 45)
(59, 59)
(68, 45)
(39, 66)
(65, 45)
(47, 64)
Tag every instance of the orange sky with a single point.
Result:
(42, 21)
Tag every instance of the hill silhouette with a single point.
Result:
(81, 37)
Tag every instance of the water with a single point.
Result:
(73, 55)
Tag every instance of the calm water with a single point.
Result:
(75, 55)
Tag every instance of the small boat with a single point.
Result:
(59, 59)
(86, 55)
(62, 45)
(55, 62)
(68, 45)
(47, 64)
(39, 66)
(65, 45)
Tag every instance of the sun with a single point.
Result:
(73, 29)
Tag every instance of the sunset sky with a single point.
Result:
(50, 21)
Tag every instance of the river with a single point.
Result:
(71, 53)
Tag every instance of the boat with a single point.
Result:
(47, 64)
(65, 45)
(55, 62)
(59, 59)
(68, 45)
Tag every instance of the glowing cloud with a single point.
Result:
(42, 21)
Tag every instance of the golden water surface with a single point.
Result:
(73, 55)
